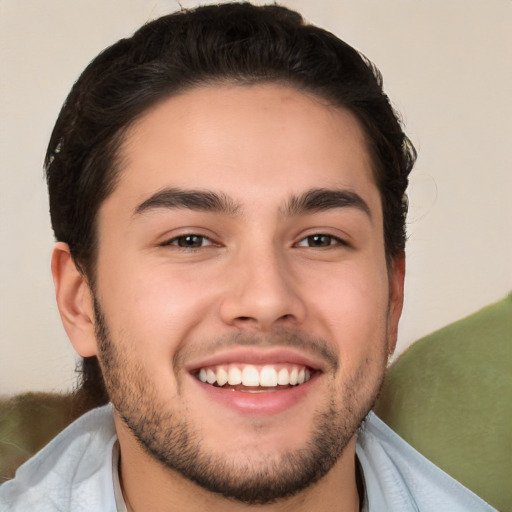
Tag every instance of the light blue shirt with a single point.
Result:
(76, 472)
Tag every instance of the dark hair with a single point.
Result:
(235, 43)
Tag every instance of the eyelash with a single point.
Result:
(194, 238)
(334, 241)
(176, 241)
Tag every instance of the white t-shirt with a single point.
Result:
(77, 472)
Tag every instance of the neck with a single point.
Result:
(148, 485)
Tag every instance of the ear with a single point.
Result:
(74, 300)
(396, 299)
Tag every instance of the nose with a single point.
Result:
(262, 293)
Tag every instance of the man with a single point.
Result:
(227, 188)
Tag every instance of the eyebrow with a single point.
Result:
(314, 200)
(189, 199)
(321, 199)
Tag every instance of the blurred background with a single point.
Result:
(447, 67)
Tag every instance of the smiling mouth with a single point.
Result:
(251, 378)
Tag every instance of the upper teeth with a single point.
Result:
(252, 376)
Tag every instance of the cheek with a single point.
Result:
(155, 305)
(352, 303)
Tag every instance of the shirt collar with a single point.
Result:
(118, 493)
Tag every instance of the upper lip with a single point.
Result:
(259, 356)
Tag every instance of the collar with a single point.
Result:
(118, 493)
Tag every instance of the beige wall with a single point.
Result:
(447, 67)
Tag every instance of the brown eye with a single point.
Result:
(189, 241)
(319, 241)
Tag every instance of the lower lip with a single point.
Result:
(262, 403)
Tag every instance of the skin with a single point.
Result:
(256, 276)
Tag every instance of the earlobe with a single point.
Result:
(396, 299)
(74, 300)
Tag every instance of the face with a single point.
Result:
(244, 307)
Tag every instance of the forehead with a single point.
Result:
(252, 142)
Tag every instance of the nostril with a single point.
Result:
(249, 319)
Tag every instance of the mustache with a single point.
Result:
(279, 337)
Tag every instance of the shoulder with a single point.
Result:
(399, 478)
(72, 472)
